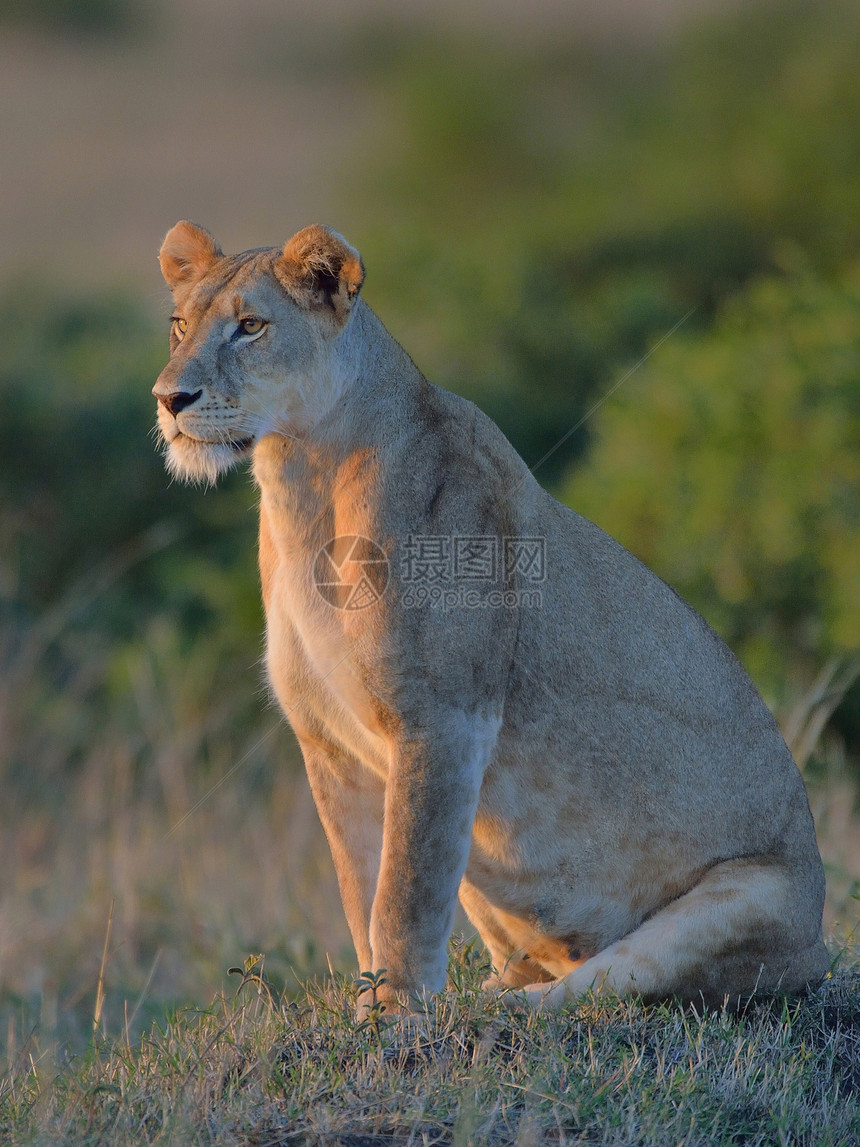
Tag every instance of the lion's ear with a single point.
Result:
(187, 253)
(320, 269)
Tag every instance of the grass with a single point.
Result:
(263, 1068)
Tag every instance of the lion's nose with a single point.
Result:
(178, 400)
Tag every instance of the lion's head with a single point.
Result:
(253, 343)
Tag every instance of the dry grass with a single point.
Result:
(260, 1069)
(165, 799)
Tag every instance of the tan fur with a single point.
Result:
(597, 777)
(267, 556)
(187, 254)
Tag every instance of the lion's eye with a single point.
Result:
(180, 326)
(251, 326)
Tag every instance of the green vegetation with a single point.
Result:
(536, 219)
(549, 214)
(744, 492)
(79, 17)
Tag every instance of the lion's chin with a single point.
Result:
(191, 460)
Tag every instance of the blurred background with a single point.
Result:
(630, 232)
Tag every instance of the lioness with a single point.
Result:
(589, 769)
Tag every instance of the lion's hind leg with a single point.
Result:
(749, 925)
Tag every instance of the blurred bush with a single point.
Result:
(95, 550)
(733, 468)
(544, 213)
(84, 482)
(83, 17)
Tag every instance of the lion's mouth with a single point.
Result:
(237, 445)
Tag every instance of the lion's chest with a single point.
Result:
(312, 669)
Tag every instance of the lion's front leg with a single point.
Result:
(350, 801)
(431, 799)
